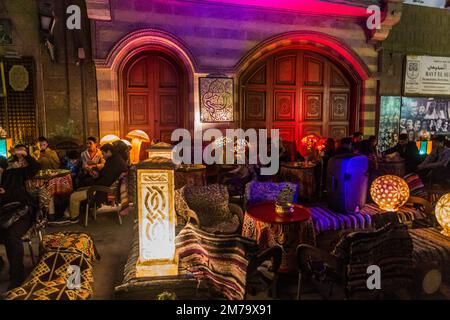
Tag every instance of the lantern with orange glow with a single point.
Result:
(308, 144)
(137, 137)
(442, 212)
(320, 145)
(389, 192)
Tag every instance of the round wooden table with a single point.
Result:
(302, 174)
(263, 224)
(49, 184)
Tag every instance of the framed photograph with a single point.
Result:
(389, 122)
(2, 80)
(5, 32)
(216, 99)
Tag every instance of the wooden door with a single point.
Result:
(299, 93)
(154, 96)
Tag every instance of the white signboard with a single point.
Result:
(425, 75)
(429, 3)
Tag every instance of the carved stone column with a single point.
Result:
(156, 217)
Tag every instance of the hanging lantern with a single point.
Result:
(442, 212)
(389, 192)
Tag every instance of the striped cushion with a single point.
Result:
(370, 216)
(326, 220)
(220, 260)
(389, 248)
(416, 186)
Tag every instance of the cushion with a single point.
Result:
(210, 202)
(416, 186)
(257, 192)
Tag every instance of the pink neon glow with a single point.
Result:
(310, 6)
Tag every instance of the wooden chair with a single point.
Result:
(117, 194)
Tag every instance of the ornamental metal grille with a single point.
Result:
(18, 108)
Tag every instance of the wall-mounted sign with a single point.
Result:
(430, 3)
(426, 75)
(19, 78)
(216, 99)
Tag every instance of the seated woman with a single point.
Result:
(47, 158)
(16, 171)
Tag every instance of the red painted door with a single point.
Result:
(299, 93)
(154, 96)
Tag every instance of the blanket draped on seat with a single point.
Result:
(220, 260)
(51, 278)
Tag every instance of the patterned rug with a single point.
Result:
(53, 278)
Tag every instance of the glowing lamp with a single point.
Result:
(128, 143)
(442, 212)
(109, 138)
(424, 146)
(5, 146)
(308, 144)
(137, 137)
(320, 145)
(156, 216)
(389, 192)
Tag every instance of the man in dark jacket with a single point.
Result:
(12, 189)
(408, 151)
(114, 167)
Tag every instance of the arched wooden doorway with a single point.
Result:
(155, 88)
(299, 92)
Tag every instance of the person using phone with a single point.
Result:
(47, 157)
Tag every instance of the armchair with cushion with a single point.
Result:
(117, 195)
(390, 248)
(209, 207)
(229, 264)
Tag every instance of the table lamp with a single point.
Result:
(389, 192)
(109, 138)
(442, 212)
(137, 137)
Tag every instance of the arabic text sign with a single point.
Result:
(427, 75)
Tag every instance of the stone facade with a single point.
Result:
(218, 39)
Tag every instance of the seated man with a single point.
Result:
(15, 172)
(436, 164)
(408, 151)
(356, 141)
(47, 157)
(92, 162)
(114, 167)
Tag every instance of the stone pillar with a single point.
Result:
(156, 217)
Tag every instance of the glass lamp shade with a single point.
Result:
(442, 212)
(5, 146)
(308, 144)
(389, 192)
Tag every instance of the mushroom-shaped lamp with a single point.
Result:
(128, 143)
(109, 138)
(137, 137)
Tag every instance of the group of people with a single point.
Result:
(435, 166)
(96, 166)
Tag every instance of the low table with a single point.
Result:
(263, 224)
